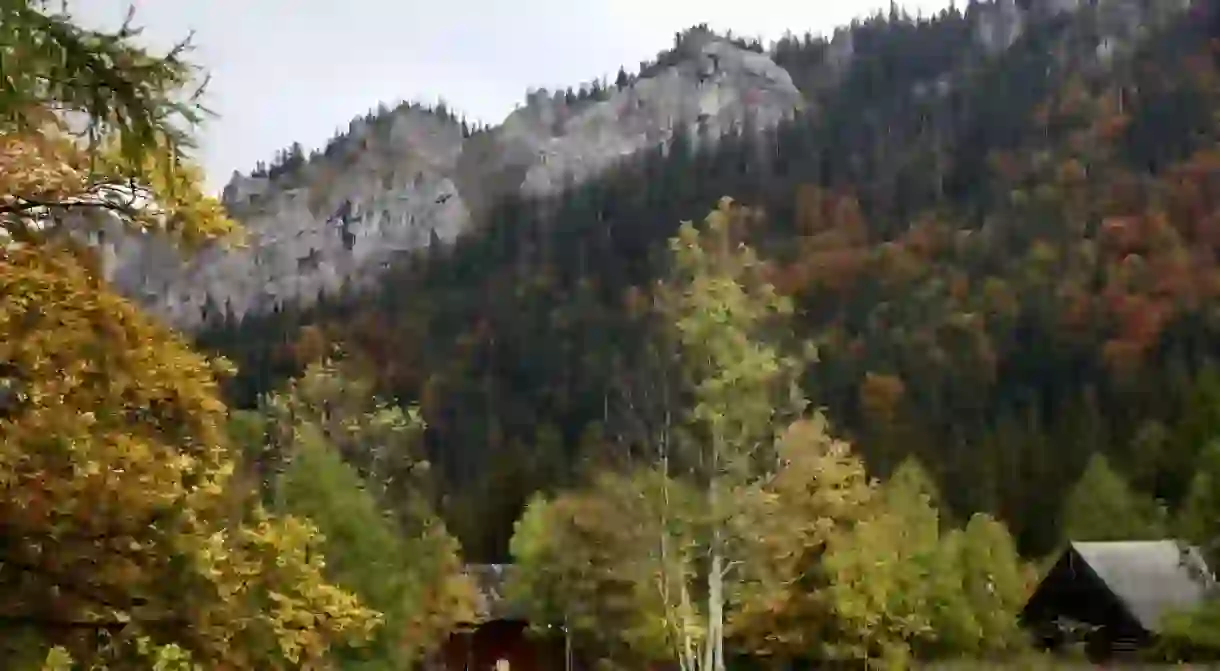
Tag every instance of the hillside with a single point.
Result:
(997, 223)
(401, 178)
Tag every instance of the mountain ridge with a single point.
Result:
(411, 177)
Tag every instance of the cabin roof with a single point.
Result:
(1150, 578)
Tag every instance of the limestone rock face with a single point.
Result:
(409, 179)
(715, 88)
(338, 220)
(1001, 23)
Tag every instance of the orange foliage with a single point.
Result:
(819, 210)
(1122, 235)
(790, 279)
(1077, 309)
(1007, 165)
(880, 395)
(311, 345)
(926, 237)
(959, 286)
(1173, 278)
(637, 301)
(836, 271)
(1113, 127)
(1122, 358)
(1072, 172)
(1140, 319)
(833, 245)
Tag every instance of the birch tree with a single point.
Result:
(741, 386)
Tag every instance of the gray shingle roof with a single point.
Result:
(1152, 578)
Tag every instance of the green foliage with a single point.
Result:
(721, 308)
(911, 483)
(1103, 507)
(729, 326)
(1191, 635)
(996, 585)
(1008, 265)
(589, 560)
(143, 652)
(365, 552)
(402, 563)
(1195, 634)
(382, 441)
(899, 588)
(121, 88)
(1197, 518)
(878, 574)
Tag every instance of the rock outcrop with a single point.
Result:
(410, 178)
(1001, 23)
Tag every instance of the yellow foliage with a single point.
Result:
(92, 123)
(47, 174)
(114, 466)
(820, 489)
(116, 514)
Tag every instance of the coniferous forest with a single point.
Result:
(839, 392)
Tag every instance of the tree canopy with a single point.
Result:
(123, 537)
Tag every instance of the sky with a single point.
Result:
(297, 70)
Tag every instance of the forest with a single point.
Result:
(834, 393)
(1003, 281)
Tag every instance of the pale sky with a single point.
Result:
(296, 70)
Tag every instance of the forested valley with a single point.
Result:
(835, 392)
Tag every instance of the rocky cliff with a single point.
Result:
(411, 177)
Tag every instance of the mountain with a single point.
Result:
(999, 225)
(409, 176)
(402, 178)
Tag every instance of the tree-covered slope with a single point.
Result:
(1007, 259)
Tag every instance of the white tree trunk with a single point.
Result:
(714, 645)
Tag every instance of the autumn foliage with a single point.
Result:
(124, 544)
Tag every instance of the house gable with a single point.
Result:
(1073, 592)
(1118, 591)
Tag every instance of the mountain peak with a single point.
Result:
(403, 177)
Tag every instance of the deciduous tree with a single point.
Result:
(120, 531)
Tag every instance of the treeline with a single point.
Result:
(291, 160)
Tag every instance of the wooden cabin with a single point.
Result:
(1112, 596)
(500, 633)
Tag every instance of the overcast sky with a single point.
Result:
(295, 70)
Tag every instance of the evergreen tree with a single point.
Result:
(1103, 507)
